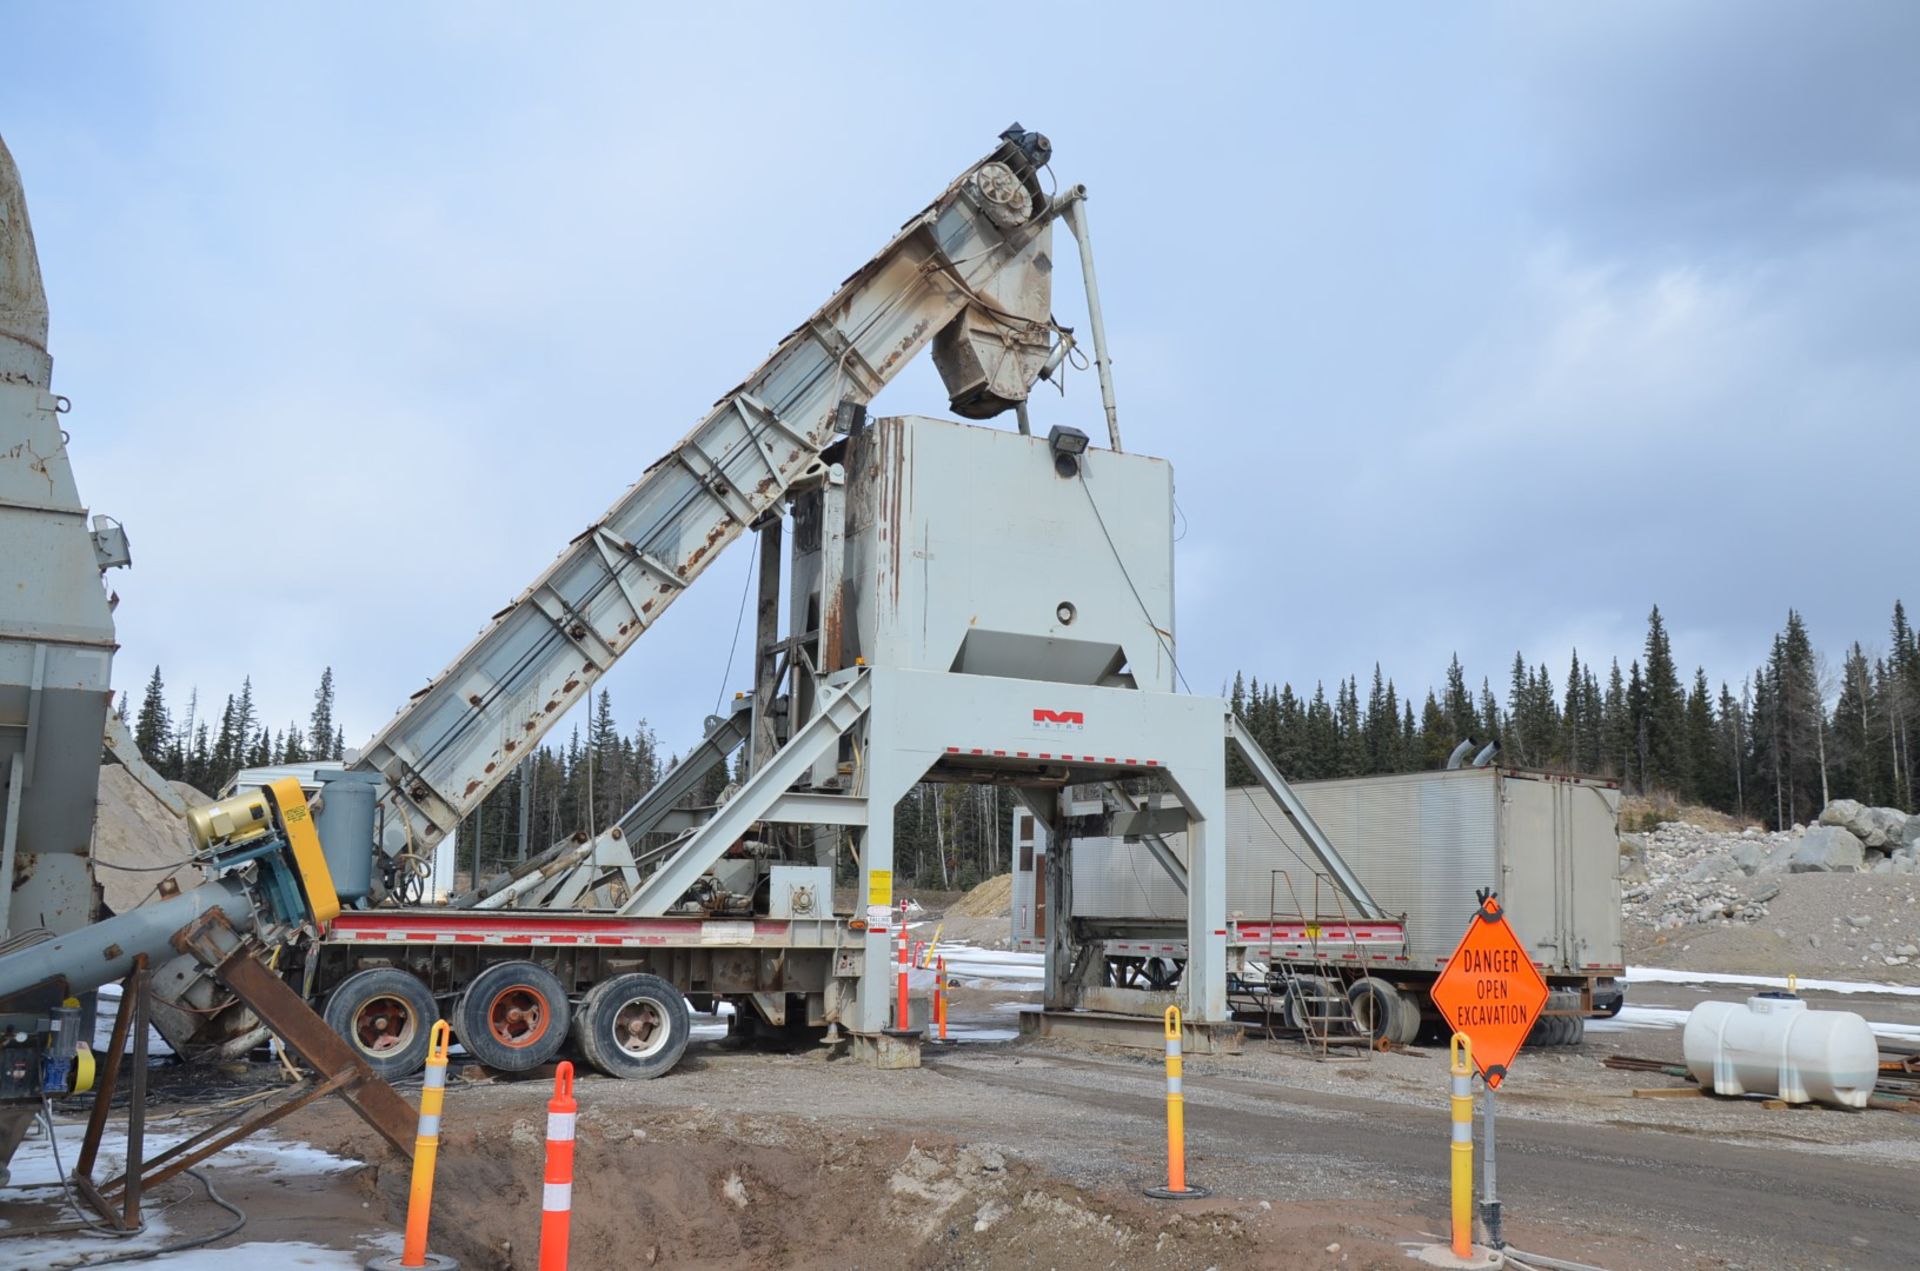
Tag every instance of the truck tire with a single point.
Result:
(1410, 1021)
(1311, 1009)
(513, 1016)
(386, 1016)
(634, 1026)
(1377, 1008)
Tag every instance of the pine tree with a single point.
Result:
(1903, 708)
(154, 730)
(1701, 738)
(1664, 721)
(1492, 724)
(1459, 705)
(1856, 754)
(1321, 754)
(1640, 732)
(1437, 736)
(320, 724)
(1728, 790)
(199, 765)
(227, 748)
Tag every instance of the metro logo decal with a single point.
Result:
(1059, 721)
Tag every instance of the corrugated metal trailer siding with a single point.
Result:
(1424, 843)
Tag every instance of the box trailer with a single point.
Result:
(1425, 844)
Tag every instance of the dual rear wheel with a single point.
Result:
(1383, 1012)
(514, 1016)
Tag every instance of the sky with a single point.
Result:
(1468, 329)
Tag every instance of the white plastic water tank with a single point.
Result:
(1771, 1044)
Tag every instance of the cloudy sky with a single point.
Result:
(1473, 328)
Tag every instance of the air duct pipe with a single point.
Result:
(1460, 752)
(83, 960)
(1485, 757)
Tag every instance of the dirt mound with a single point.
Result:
(704, 1188)
(991, 899)
(134, 831)
(1645, 811)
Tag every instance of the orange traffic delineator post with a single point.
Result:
(903, 1015)
(426, 1151)
(940, 996)
(556, 1201)
(1177, 1186)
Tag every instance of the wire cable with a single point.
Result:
(181, 1246)
(1158, 634)
(739, 620)
(66, 1184)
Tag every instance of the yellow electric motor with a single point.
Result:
(235, 819)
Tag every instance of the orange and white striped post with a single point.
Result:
(903, 1015)
(940, 995)
(1177, 1185)
(426, 1151)
(556, 1203)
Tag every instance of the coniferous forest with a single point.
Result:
(1773, 744)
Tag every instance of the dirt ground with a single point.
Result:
(1033, 1153)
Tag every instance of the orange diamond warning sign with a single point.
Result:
(1491, 991)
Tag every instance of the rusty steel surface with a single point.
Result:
(966, 258)
(213, 940)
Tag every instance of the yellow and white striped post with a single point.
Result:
(1461, 1075)
(1176, 1119)
(426, 1153)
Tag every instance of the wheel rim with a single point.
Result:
(640, 1028)
(384, 1024)
(518, 1016)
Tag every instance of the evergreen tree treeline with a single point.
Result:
(945, 836)
(1789, 738)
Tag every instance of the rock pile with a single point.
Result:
(1681, 874)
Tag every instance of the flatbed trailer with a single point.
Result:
(517, 980)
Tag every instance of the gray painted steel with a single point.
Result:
(978, 255)
(104, 952)
(344, 822)
(56, 630)
(1421, 843)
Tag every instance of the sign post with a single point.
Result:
(1492, 994)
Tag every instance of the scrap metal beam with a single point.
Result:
(213, 940)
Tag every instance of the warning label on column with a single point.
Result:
(880, 887)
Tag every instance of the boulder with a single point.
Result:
(1875, 827)
(1749, 856)
(1713, 867)
(1841, 812)
(1910, 835)
(1827, 849)
(1779, 858)
(1884, 827)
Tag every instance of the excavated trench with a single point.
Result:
(696, 1188)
